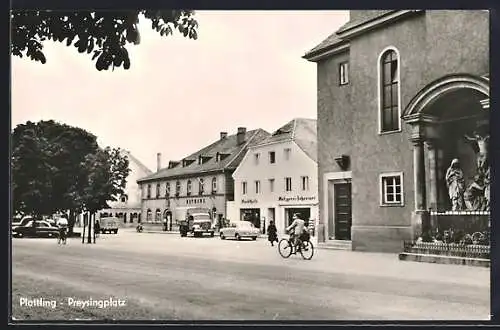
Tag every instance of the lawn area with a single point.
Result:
(28, 288)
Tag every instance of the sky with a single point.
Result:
(244, 70)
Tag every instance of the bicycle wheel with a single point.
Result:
(285, 248)
(307, 250)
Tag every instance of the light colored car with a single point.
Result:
(239, 230)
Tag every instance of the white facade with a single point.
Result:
(274, 191)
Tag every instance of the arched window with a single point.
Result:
(158, 215)
(189, 186)
(214, 185)
(124, 199)
(201, 186)
(149, 216)
(389, 91)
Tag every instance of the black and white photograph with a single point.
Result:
(249, 165)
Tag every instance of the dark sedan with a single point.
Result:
(36, 229)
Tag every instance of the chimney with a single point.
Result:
(158, 162)
(223, 135)
(240, 136)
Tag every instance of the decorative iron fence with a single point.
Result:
(461, 227)
(448, 249)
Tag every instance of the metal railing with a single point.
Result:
(448, 249)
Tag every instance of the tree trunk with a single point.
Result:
(89, 236)
(71, 221)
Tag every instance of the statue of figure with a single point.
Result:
(481, 146)
(456, 185)
(474, 195)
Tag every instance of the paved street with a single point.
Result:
(171, 277)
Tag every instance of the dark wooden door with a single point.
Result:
(343, 211)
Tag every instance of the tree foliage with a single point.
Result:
(104, 34)
(56, 168)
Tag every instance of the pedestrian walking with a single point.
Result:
(272, 235)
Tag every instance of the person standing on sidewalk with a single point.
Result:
(272, 235)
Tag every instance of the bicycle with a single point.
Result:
(305, 247)
(62, 236)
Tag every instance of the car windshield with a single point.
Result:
(201, 217)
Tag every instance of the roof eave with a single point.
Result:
(328, 51)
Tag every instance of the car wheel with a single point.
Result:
(116, 231)
(212, 234)
(222, 236)
(254, 238)
(238, 237)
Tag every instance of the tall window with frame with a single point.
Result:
(167, 189)
(272, 157)
(288, 184)
(148, 196)
(391, 189)
(244, 188)
(305, 183)
(177, 188)
(158, 190)
(343, 73)
(389, 92)
(189, 187)
(257, 187)
(214, 185)
(201, 186)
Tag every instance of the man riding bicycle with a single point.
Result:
(62, 223)
(298, 225)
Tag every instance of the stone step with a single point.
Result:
(336, 245)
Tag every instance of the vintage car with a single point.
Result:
(239, 230)
(109, 225)
(21, 222)
(36, 229)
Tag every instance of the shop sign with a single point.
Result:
(296, 199)
(249, 201)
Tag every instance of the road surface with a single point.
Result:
(170, 277)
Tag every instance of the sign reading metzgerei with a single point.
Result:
(296, 199)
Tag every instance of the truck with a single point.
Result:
(195, 220)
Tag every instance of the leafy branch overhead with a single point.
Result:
(103, 34)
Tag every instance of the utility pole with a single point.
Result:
(94, 227)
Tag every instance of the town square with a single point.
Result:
(192, 166)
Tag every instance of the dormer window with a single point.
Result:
(124, 199)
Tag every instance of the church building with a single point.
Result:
(403, 122)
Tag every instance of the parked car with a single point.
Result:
(36, 229)
(21, 222)
(239, 230)
(109, 225)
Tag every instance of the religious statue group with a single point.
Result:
(476, 196)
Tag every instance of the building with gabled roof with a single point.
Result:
(398, 91)
(278, 177)
(201, 179)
